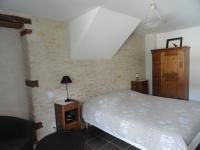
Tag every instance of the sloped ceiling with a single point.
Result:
(100, 33)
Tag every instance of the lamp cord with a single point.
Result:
(67, 91)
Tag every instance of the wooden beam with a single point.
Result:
(38, 125)
(25, 31)
(11, 21)
(32, 83)
(11, 24)
(11, 18)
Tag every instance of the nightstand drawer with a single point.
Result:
(73, 125)
(71, 106)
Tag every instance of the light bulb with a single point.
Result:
(153, 6)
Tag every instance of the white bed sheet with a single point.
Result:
(147, 122)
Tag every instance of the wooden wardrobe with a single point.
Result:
(170, 68)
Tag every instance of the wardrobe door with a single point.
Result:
(156, 68)
(172, 73)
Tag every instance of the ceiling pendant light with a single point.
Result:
(152, 22)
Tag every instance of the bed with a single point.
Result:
(144, 121)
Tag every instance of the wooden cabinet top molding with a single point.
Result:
(168, 49)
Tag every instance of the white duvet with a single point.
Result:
(147, 122)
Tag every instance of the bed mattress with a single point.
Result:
(147, 122)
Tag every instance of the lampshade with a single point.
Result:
(154, 20)
(66, 79)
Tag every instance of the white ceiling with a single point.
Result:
(177, 13)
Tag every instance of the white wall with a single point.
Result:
(13, 97)
(190, 38)
(100, 33)
(150, 43)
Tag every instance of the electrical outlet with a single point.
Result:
(53, 127)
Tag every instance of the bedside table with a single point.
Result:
(140, 86)
(67, 115)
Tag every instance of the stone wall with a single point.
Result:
(48, 59)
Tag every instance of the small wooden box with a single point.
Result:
(67, 115)
(140, 86)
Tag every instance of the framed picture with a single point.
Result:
(175, 42)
